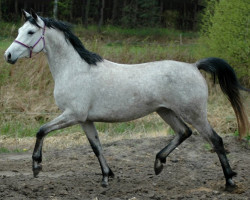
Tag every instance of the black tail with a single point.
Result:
(229, 85)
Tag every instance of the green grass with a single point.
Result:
(236, 134)
(5, 43)
(25, 128)
(208, 147)
(171, 131)
(18, 129)
(6, 150)
(137, 126)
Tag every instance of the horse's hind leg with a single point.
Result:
(92, 135)
(218, 146)
(182, 133)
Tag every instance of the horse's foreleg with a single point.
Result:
(182, 133)
(92, 135)
(62, 121)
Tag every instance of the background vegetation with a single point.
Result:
(181, 14)
(225, 33)
(125, 32)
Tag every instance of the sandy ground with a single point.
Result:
(192, 171)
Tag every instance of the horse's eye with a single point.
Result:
(31, 32)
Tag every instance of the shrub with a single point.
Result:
(225, 33)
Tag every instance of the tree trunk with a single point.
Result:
(135, 13)
(0, 9)
(25, 5)
(102, 5)
(194, 21)
(161, 12)
(114, 11)
(71, 10)
(55, 9)
(16, 7)
(85, 13)
(123, 9)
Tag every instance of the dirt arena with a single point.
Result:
(192, 172)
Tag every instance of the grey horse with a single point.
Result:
(91, 89)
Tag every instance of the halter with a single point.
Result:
(32, 47)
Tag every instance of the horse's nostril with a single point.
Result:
(9, 56)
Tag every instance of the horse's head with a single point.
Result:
(30, 38)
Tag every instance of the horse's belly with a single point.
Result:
(120, 113)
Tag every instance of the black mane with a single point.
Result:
(90, 57)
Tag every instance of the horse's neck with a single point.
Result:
(61, 55)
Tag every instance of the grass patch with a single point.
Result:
(18, 129)
(144, 125)
(24, 128)
(5, 43)
(171, 131)
(6, 150)
(208, 147)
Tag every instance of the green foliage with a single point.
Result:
(142, 13)
(64, 9)
(226, 33)
(171, 18)
(7, 30)
(207, 15)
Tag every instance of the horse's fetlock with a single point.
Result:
(232, 174)
(163, 160)
(111, 174)
(160, 158)
(37, 158)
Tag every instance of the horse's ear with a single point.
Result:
(25, 14)
(33, 13)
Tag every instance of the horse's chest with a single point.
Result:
(67, 96)
(62, 97)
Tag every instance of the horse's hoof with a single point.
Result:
(158, 166)
(230, 185)
(105, 182)
(36, 169)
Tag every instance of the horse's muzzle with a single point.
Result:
(8, 58)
